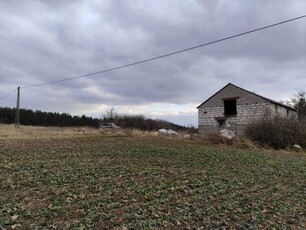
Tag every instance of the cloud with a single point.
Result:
(44, 41)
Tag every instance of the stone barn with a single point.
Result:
(234, 108)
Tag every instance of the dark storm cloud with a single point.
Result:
(43, 41)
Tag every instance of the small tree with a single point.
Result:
(299, 103)
(109, 115)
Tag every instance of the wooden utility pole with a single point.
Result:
(17, 119)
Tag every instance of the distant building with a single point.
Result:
(234, 108)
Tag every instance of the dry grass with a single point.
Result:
(238, 141)
(125, 132)
(9, 132)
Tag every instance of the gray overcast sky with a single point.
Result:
(42, 41)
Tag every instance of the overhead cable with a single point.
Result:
(166, 55)
(1, 98)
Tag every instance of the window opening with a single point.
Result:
(230, 107)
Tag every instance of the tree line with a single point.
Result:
(40, 118)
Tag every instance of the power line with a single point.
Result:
(166, 55)
(1, 98)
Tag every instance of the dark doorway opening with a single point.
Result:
(230, 107)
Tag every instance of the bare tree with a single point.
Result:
(299, 103)
(109, 115)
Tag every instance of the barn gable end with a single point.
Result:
(234, 108)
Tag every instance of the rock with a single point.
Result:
(162, 131)
(227, 133)
(167, 132)
(171, 132)
(186, 136)
(297, 148)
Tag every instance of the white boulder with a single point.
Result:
(297, 148)
(227, 133)
(167, 132)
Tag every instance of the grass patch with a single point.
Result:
(144, 182)
(39, 132)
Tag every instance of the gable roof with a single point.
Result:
(265, 98)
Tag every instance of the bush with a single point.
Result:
(277, 132)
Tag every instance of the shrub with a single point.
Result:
(277, 132)
(142, 123)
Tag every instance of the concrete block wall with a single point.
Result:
(232, 91)
(246, 114)
(284, 112)
(206, 119)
